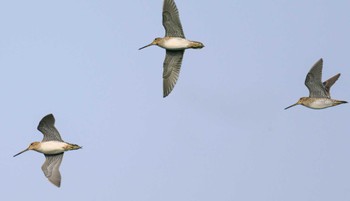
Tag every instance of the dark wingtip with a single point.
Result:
(165, 94)
(48, 115)
(58, 185)
(48, 119)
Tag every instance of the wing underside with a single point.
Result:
(171, 20)
(171, 70)
(314, 83)
(48, 129)
(51, 168)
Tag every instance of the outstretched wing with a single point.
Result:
(313, 81)
(171, 20)
(171, 70)
(47, 128)
(329, 83)
(51, 168)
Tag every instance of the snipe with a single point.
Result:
(53, 147)
(175, 44)
(319, 93)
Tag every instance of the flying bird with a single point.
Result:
(53, 147)
(174, 43)
(319, 93)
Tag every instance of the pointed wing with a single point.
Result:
(171, 70)
(171, 20)
(313, 81)
(51, 168)
(329, 83)
(47, 128)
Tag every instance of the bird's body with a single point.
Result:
(319, 93)
(53, 147)
(319, 103)
(175, 44)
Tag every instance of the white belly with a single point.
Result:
(175, 44)
(52, 147)
(321, 103)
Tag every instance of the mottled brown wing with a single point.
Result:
(313, 81)
(48, 129)
(171, 20)
(171, 70)
(329, 83)
(51, 168)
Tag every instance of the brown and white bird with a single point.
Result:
(53, 147)
(319, 93)
(175, 44)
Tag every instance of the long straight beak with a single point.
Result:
(146, 46)
(291, 106)
(21, 152)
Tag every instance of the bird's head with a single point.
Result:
(32, 146)
(154, 42)
(300, 102)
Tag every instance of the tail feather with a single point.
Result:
(338, 102)
(73, 147)
(196, 45)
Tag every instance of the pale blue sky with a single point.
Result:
(222, 134)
